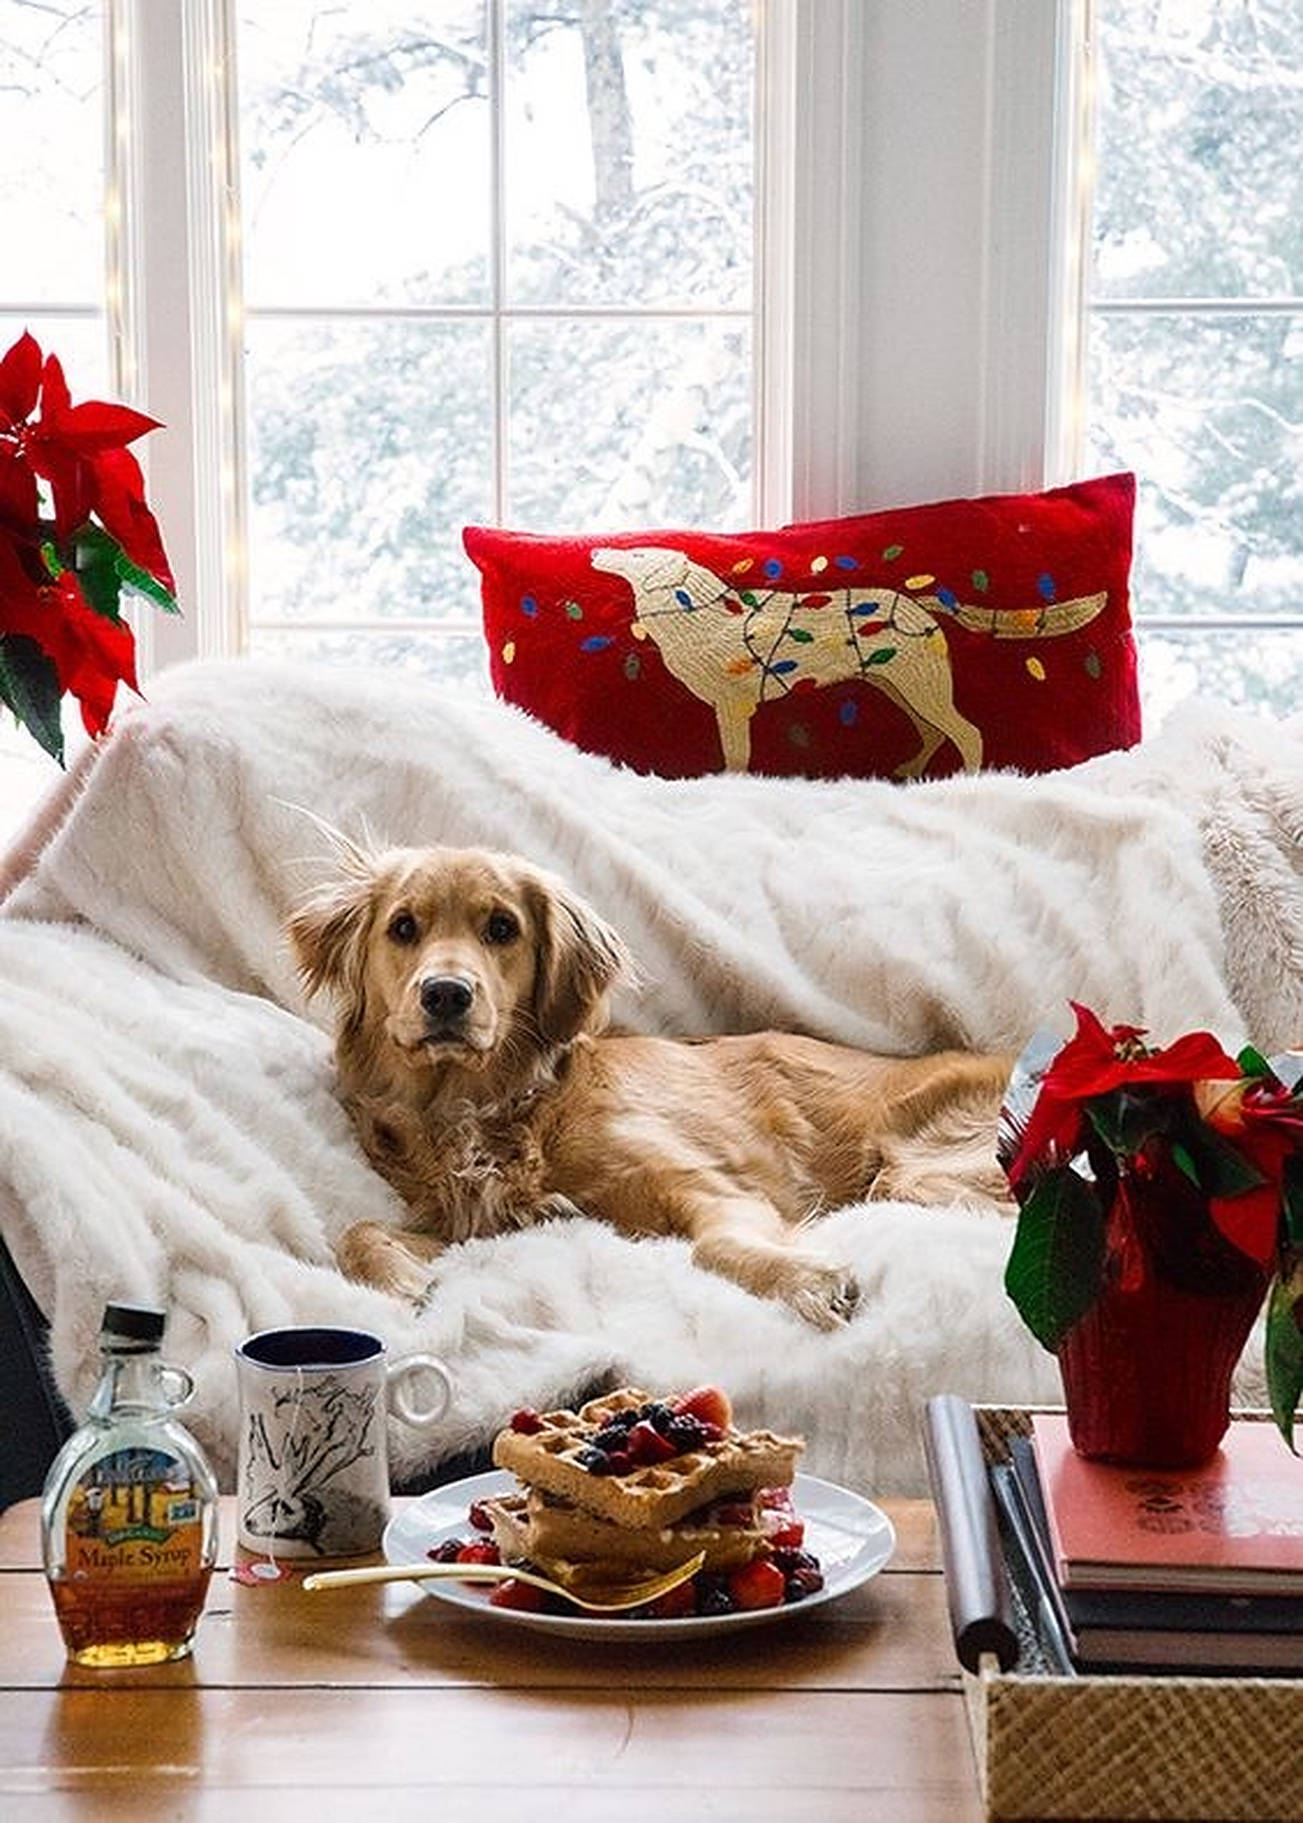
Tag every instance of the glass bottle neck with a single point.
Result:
(128, 1382)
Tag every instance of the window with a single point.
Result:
(1196, 334)
(497, 267)
(645, 260)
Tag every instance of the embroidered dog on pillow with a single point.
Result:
(736, 648)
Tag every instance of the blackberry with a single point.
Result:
(802, 1582)
(790, 1560)
(685, 1432)
(713, 1598)
(611, 1437)
(447, 1552)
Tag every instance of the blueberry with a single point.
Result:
(714, 1598)
(596, 1461)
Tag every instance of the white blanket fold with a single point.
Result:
(169, 1131)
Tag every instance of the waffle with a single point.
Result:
(648, 1497)
(538, 1528)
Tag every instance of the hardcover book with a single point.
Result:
(1234, 1525)
(1152, 1628)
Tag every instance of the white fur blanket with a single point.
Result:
(168, 1130)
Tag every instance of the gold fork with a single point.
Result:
(606, 1594)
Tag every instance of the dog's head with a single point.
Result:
(456, 957)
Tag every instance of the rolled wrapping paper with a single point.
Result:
(977, 1585)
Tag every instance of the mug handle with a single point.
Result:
(409, 1367)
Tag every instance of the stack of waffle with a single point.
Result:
(583, 1501)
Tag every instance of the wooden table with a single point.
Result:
(377, 1701)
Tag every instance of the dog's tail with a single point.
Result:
(1050, 621)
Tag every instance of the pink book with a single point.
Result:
(1235, 1525)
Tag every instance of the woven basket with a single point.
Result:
(1225, 1749)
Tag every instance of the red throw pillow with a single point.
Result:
(930, 639)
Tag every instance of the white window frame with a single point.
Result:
(919, 289)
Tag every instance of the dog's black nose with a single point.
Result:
(446, 996)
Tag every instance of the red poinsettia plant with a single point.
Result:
(1133, 1164)
(75, 535)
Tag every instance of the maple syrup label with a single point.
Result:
(135, 1515)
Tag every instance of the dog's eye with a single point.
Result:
(402, 927)
(501, 928)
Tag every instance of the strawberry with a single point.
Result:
(789, 1536)
(479, 1551)
(646, 1445)
(758, 1584)
(676, 1603)
(709, 1403)
(522, 1596)
(527, 1421)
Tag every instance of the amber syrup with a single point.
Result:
(128, 1520)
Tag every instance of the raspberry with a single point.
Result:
(527, 1421)
(477, 1516)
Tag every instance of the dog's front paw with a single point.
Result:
(825, 1296)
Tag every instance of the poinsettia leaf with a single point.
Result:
(1128, 1117)
(1283, 1350)
(1291, 1197)
(20, 379)
(29, 684)
(133, 577)
(1220, 1168)
(96, 558)
(1057, 1259)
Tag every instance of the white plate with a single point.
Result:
(851, 1537)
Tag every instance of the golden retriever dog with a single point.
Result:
(471, 992)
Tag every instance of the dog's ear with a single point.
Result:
(580, 959)
(328, 933)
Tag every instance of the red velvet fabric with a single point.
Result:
(921, 641)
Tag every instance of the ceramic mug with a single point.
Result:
(312, 1477)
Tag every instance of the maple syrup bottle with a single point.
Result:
(129, 1514)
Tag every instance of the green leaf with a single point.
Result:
(1284, 1351)
(29, 684)
(1291, 1197)
(1057, 1259)
(1252, 1062)
(1222, 1169)
(95, 563)
(133, 577)
(1126, 1118)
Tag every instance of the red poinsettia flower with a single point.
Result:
(61, 577)
(1097, 1060)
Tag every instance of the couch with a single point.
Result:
(170, 1132)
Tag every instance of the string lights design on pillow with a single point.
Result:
(911, 643)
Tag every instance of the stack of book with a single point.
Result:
(1199, 1570)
